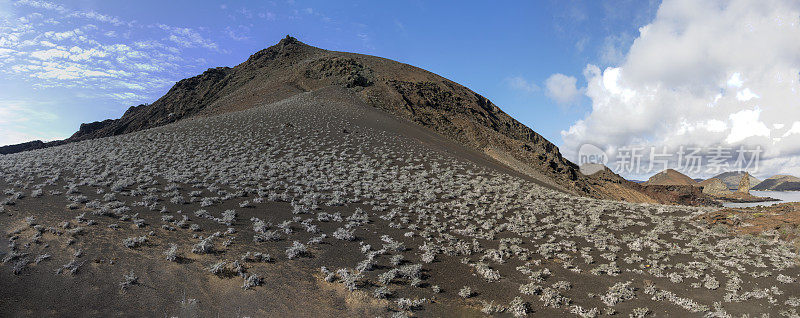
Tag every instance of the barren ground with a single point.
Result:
(360, 214)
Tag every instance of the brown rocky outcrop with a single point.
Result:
(714, 187)
(744, 184)
(671, 177)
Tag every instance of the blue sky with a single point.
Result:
(505, 52)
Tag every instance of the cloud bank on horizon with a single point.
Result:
(702, 74)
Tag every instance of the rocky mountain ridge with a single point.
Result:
(292, 67)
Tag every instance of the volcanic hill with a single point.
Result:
(779, 183)
(671, 177)
(292, 67)
(290, 187)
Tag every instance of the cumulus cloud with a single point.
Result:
(562, 88)
(702, 73)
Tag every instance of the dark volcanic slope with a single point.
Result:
(411, 93)
(322, 206)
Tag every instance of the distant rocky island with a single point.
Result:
(730, 186)
(779, 183)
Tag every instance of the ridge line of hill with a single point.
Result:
(291, 67)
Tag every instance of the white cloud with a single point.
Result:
(6, 9)
(612, 51)
(56, 47)
(187, 37)
(50, 54)
(66, 71)
(5, 53)
(703, 74)
(42, 5)
(127, 97)
(79, 54)
(714, 125)
(735, 80)
(581, 44)
(238, 35)
(795, 130)
(745, 124)
(59, 36)
(98, 17)
(520, 83)
(562, 88)
(745, 95)
(148, 67)
(134, 86)
(91, 15)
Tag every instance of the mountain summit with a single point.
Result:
(291, 67)
(671, 177)
(331, 184)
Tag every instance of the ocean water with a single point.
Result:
(783, 196)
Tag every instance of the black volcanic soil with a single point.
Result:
(294, 287)
(321, 163)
